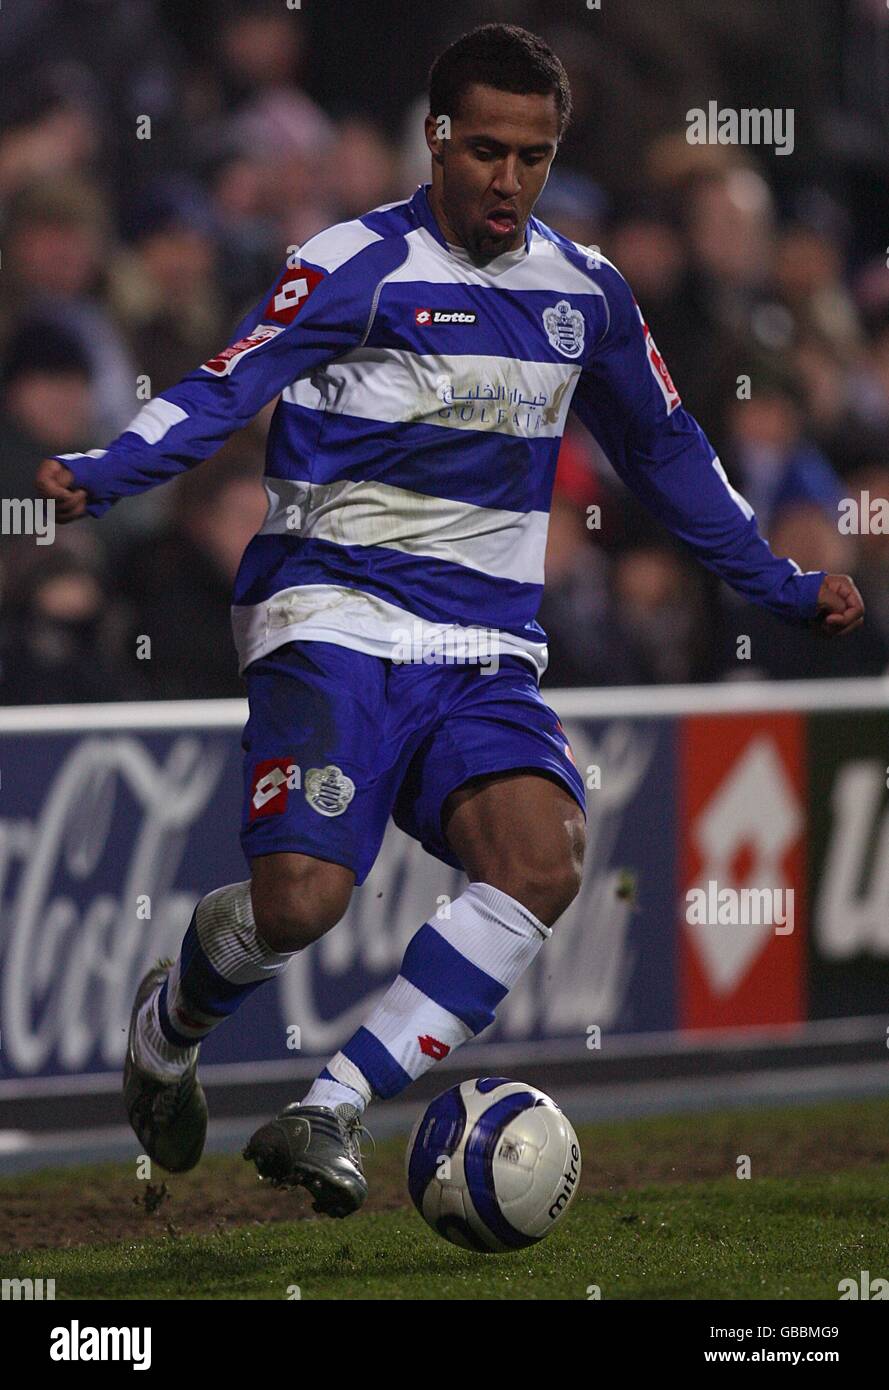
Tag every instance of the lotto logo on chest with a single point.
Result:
(430, 318)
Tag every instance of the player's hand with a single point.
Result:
(54, 482)
(840, 606)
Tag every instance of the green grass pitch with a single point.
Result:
(661, 1214)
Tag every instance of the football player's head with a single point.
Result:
(499, 103)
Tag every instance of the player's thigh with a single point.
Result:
(522, 831)
(317, 786)
(297, 898)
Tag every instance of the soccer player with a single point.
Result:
(426, 356)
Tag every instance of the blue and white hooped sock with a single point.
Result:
(453, 976)
(221, 962)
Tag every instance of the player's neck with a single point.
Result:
(450, 233)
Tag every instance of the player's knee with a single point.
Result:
(548, 886)
(557, 891)
(544, 888)
(296, 901)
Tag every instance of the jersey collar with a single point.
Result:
(426, 218)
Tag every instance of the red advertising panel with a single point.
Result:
(741, 904)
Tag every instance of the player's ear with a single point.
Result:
(434, 132)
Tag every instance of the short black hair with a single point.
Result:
(502, 56)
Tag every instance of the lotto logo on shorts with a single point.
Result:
(272, 780)
(567, 749)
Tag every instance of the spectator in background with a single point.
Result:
(188, 569)
(875, 371)
(645, 241)
(808, 270)
(108, 62)
(280, 134)
(767, 455)
(46, 404)
(50, 136)
(729, 221)
(586, 643)
(806, 531)
(56, 248)
(163, 289)
(659, 604)
(575, 205)
(249, 250)
(58, 641)
(258, 48)
(361, 170)
(872, 557)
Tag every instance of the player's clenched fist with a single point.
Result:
(54, 481)
(840, 605)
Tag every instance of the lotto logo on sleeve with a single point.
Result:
(291, 293)
(272, 780)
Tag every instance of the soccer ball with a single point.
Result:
(492, 1164)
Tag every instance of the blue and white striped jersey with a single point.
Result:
(412, 454)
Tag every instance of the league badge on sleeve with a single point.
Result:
(223, 363)
(659, 368)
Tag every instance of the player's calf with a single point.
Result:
(167, 1110)
(223, 959)
(297, 898)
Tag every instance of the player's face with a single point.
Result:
(487, 177)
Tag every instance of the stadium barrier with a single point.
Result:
(114, 820)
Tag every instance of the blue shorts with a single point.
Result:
(338, 741)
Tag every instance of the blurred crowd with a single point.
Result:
(155, 161)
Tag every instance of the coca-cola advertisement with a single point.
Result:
(108, 838)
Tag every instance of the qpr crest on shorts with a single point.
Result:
(328, 790)
(564, 328)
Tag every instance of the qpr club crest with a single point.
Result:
(564, 328)
(328, 790)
